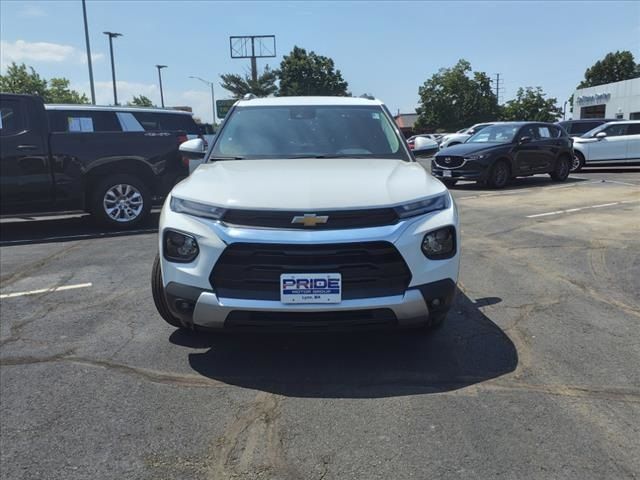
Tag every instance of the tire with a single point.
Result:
(578, 162)
(499, 175)
(120, 201)
(449, 183)
(561, 172)
(159, 299)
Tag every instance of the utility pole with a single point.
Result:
(111, 36)
(498, 87)
(213, 98)
(86, 37)
(160, 67)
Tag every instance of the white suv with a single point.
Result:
(308, 212)
(613, 142)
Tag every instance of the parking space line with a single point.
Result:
(523, 190)
(571, 210)
(45, 290)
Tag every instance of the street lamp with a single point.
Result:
(111, 36)
(160, 67)
(213, 100)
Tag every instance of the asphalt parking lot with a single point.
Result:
(534, 375)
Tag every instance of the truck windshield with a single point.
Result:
(264, 132)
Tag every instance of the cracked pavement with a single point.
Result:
(534, 375)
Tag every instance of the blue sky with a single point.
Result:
(385, 48)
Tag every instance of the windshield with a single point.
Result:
(308, 131)
(496, 134)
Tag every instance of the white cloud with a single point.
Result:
(32, 11)
(30, 52)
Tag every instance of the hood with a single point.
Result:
(471, 148)
(306, 184)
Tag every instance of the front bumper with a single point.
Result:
(414, 308)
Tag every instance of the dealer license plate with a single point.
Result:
(311, 288)
(446, 173)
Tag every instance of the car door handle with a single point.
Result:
(27, 147)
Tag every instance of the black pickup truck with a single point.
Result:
(114, 175)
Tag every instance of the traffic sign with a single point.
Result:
(223, 107)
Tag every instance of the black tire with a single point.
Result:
(449, 183)
(499, 175)
(159, 299)
(561, 172)
(128, 189)
(578, 162)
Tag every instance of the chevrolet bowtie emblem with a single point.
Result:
(310, 219)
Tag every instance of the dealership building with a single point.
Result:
(619, 100)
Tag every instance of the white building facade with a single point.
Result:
(619, 100)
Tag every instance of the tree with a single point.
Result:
(530, 104)
(240, 85)
(23, 79)
(141, 101)
(303, 73)
(455, 98)
(614, 67)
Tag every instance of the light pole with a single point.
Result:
(111, 36)
(160, 67)
(86, 37)
(213, 98)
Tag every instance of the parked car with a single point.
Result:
(506, 150)
(576, 128)
(92, 166)
(462, 135)
(288, 225)
(613, 142)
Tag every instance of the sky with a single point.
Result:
(387, 49)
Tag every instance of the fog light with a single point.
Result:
(179, 247)
(440, 244)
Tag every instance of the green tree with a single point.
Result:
(59, 92)
(530, 104)
(240, 85)
(614, 67)
(454, 98)
(141, 101)
(303, 73)
(23, 79)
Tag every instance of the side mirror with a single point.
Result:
(424, 147)
(523, 140)
(192, 148)
(601, 135)
(471, 132)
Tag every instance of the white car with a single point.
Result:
(613, 142)
(311, 213)
(463, 135)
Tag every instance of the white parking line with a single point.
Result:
(571, 210)
(522, 190)
(45, 290)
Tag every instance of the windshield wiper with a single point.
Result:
(217, 158)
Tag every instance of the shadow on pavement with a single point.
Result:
(469, 348)
(66, 230)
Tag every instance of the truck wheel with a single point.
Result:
(499, 174)
(157, 290)
(121, 201)
(561, 172)
(578, 162)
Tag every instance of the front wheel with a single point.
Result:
(578, 162)
(121, 201)
(157, 290)
(499, 174)
(561, 172)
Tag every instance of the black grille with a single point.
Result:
(340, 320)
(449, 161)
(339, 219)
(252, 271)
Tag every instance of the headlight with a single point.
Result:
(433, 204)
(475, 157)
(196, 209)
(440, 244)
(179, 247)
